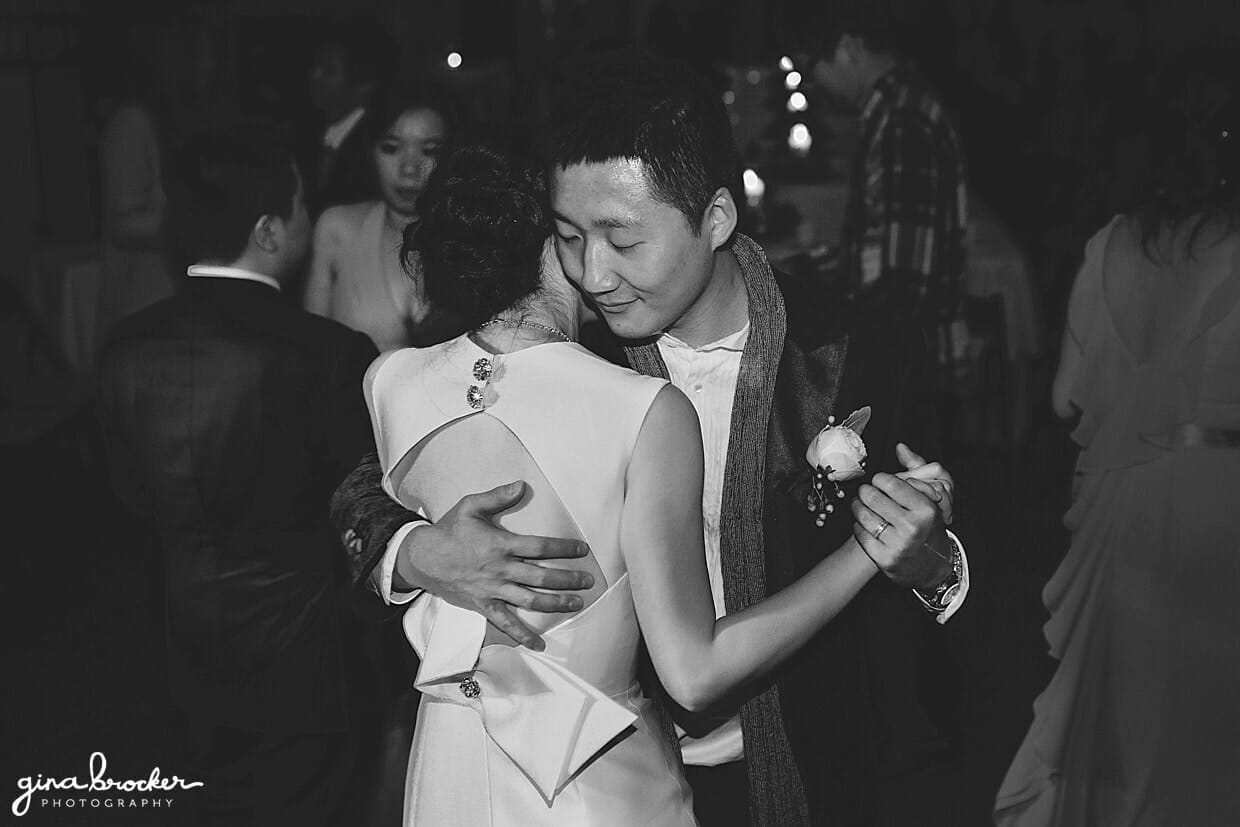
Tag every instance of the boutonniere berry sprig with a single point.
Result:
(837, 454)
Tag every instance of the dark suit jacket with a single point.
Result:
(863, 703)
(230, 418)
(867, 704)
(350, 170)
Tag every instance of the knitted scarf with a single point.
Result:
(776, 797)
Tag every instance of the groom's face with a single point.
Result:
(636, 258)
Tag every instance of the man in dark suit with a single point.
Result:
(850, 730)
(229, 419)
(350, 63)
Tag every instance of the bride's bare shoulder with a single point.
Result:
(670, 418)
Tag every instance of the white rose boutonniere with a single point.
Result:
(836, 454)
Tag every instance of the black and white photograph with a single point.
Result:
(620, 413)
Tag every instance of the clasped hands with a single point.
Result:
(466, 559)
(899, 519)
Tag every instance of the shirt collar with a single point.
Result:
(335, 134)
(733, 341)
(212, 271)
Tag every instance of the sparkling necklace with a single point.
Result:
(485, 369)
(554, 331)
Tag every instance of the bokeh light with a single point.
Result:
(799, 139)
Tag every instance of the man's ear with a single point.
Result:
(721, 217)
(267, 232)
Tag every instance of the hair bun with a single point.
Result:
(483, 220)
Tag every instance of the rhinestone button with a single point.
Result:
(473, 397)
(483, 369)
(470, 688)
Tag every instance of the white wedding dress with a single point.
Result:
(506, 735)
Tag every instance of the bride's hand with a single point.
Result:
(929, 478)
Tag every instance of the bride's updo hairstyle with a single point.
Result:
(483, 219)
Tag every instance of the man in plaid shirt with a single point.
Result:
(904, 230)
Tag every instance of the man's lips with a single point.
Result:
(613, 306)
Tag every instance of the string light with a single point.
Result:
(755, 187)
(454, 60)
(799, 139)
(785, 63)
(797, 102)
(729, 97)
(793, 80)
(754, 76)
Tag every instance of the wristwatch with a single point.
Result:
(937, 599)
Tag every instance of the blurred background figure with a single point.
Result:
(357, 276)
(354, 58)
(133, 162)
(1139, 724)
(212, 437)
(903, 245)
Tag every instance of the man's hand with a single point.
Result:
(930, 478)
(467, 560)
(901, 530)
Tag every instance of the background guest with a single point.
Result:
(905, 220)
(228, 418)
(133, 159)
(1139, 724)
(357, 276)
(353, 59)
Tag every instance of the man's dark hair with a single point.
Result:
(629, 105)
(230, 180)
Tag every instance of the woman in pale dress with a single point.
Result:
(357, 276)
(1140, 724)
(563, 736)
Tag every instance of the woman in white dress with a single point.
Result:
(1139, 724)
(564, 736)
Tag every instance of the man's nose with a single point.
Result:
(596, 275)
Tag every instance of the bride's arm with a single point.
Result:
(699, 659)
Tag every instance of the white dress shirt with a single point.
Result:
(387, 568)
(707, 375)
(335, 134)
(212, 271)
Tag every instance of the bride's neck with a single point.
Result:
(533, 323)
